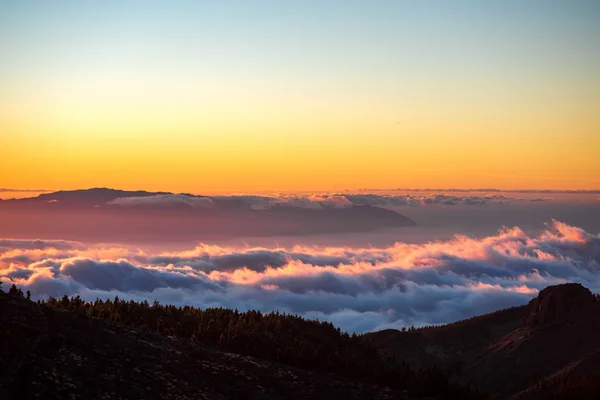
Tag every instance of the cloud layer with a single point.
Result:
(360, 289)
(163, 200)
(317, 201)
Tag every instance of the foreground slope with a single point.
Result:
(550, 347)
(51, 352)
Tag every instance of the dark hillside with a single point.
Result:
(448, 345)
(61, 350)
(549, 347)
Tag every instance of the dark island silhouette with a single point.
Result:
(164, 215)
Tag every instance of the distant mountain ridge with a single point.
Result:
(121, 216)
(85, 197)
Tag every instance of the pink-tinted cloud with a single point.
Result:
(359, 289)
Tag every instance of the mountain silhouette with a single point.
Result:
(140, 216)
(69, 348)
(550, 346)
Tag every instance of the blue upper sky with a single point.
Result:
(383, 87)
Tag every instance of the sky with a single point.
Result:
(238, 96)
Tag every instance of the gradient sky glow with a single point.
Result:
(299, 95)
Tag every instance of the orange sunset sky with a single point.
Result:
(205, 98)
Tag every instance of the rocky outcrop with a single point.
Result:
(559, 303)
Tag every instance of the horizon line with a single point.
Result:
(346, 191)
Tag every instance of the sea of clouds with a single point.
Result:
(358, 289)
(320, 200)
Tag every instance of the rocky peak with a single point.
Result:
(559, 303)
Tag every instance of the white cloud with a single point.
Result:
(163, 200)
(359, 289)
